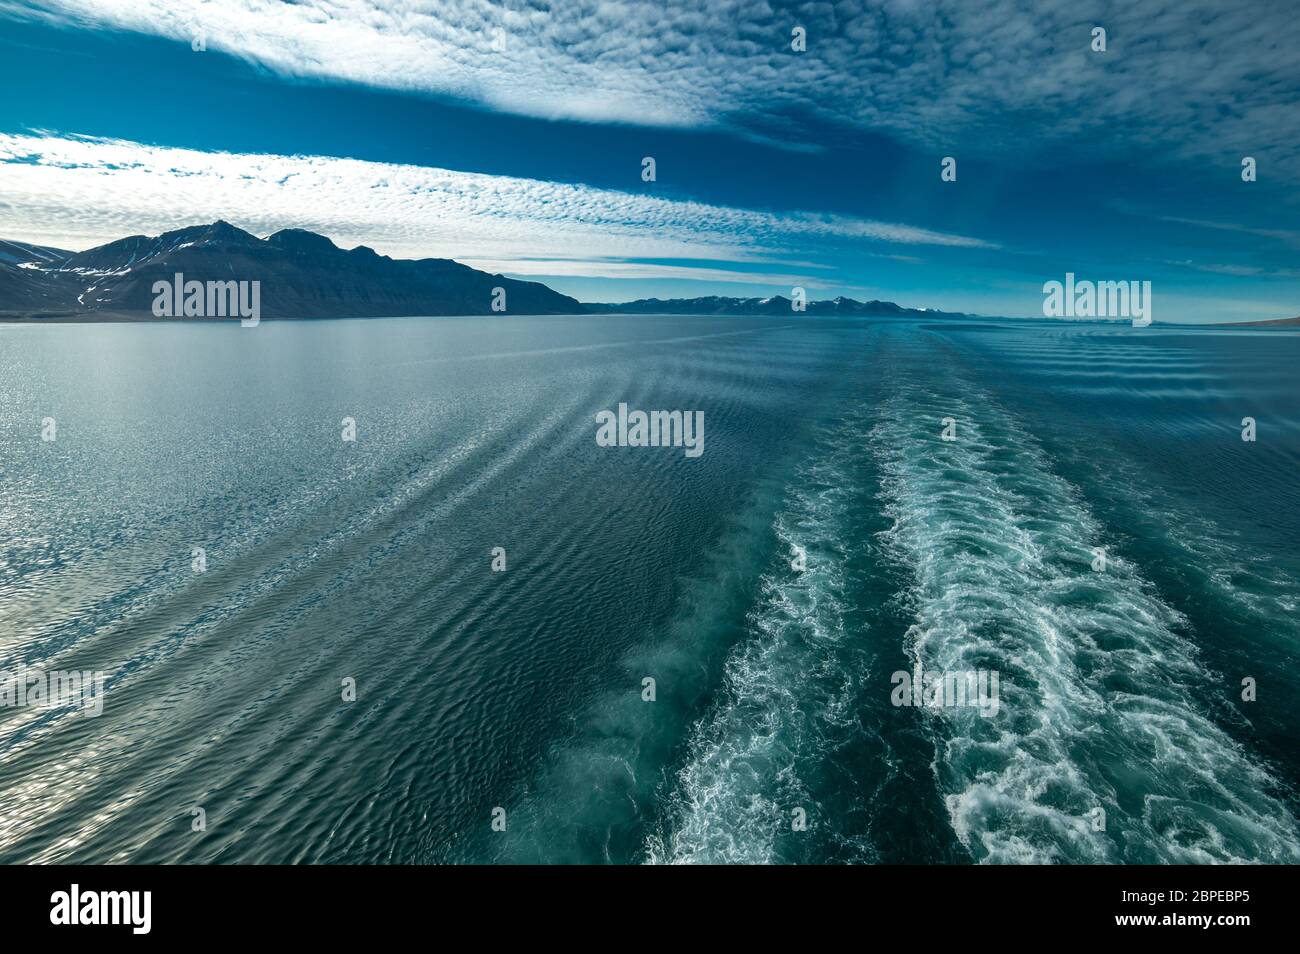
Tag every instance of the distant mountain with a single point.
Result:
(776, 305)
(20, 253)
(302, 275)
(1267, 323)
(305, 275)
(27, 283)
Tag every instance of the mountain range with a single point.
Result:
(775, 305)
(302, 275)
(305, 275)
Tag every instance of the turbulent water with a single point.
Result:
(1071, 507)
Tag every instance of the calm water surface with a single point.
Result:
(330, 560)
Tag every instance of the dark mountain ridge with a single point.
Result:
(301, 275)
(305, 275)
(774, 305)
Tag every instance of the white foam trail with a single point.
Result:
(1102, 700)
(785, 689)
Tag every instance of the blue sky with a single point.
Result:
(511, 137)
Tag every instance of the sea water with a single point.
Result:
(373, 591)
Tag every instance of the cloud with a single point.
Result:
(1237, 270)
(554, 268)
(1287, 236)
(74, 192)
(1197, 78)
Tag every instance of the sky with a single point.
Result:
(511, 136)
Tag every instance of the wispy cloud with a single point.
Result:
(1197, 77)
(1287, 236)
(551, 268)
(1237, 270)
(75, 192)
